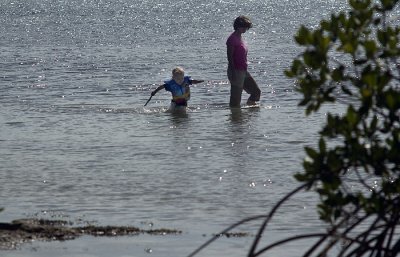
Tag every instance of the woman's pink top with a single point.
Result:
(239, 51)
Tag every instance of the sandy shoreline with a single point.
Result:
(18, 232)
(26, 230)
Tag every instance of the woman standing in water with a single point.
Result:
(238, 75)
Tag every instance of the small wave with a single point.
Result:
(15, 124)
(103, 108)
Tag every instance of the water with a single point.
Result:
(77, 143)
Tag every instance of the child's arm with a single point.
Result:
(194, 81)
(157, 89)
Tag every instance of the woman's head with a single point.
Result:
(242, 22)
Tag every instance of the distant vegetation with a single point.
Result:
(352, 59)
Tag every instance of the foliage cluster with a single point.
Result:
(354, 59)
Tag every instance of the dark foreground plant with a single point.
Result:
(351, 60)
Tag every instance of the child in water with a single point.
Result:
(179, 88)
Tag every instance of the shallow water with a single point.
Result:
(76, 142)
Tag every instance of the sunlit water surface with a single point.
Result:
(77, 143)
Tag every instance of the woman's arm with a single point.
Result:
(229, 53)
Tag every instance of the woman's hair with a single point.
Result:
(242, 22)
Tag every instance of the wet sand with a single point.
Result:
(18, 232)
(27, 230)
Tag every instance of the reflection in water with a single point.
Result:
(236, 115)
(178, 118)
(242, 116)
(241, 137)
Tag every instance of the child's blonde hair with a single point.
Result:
(177, 72)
